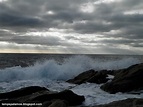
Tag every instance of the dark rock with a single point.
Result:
(126, 80)
(58, 103)
(35, 94)
(46, 103)
(67, 95)
(91, 76)
(21, 92)
(28, 98)
(131, 102)
(83, 77)
(3, 102)
(99, 77)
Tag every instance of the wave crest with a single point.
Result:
(51, 69)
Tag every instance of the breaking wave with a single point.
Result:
(51, 69)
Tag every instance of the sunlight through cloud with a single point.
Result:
(87, 7)
(3, 0)
(132, 12)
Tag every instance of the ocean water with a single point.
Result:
(52, 70)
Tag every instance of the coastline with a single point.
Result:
(97, 76)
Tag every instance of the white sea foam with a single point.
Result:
(51, 73)
(50, 69)
(95, 96)
(92, 92)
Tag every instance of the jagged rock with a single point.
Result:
(67, 95)
(4, 102)
(131, 102)
(58, 103)
(83, 77)
(126, 80)
(29, 97)
(21, 92)
(35, 94)
(91, 76)
(99, 77)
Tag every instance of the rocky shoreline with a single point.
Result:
(113, 81)
(39, 95)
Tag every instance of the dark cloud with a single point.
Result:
(20, 16)
(134, 18)
(137, 45)
(91, 27)
(11, 20)
(34, 12)
(37, 40)
(125, 42)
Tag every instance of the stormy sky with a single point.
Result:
(71, 26)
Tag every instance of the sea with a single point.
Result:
(52, 71)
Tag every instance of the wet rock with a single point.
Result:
(46, 104)
(67, 95)
(28, 98)
(99, 77)
(35, 94)
(3, 103)
(21, 92)
(131, 102)
(126, 80)
(83, 77)
(91, 76)
(58, 103)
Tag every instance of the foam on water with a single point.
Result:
(50, 74)
(71, 67)
(92, 92)
(95, 96)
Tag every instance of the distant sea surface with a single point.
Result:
(52, 70)
(16, 59)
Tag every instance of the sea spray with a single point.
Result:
(50, 72)
(69, 68)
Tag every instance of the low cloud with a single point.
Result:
(81, 21)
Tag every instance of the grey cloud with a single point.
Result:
(117, 22)
(134, 33)
(36, 40)
(135, 18)
(127, 42)
(5, 33)
(22, 15)
(49, 41)
(10, 20)
(134, 4)
(125, 22)
(131, 32)
(137, 45)
(116, 50)
(91, 27)
(33, 12)
(66, 11)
